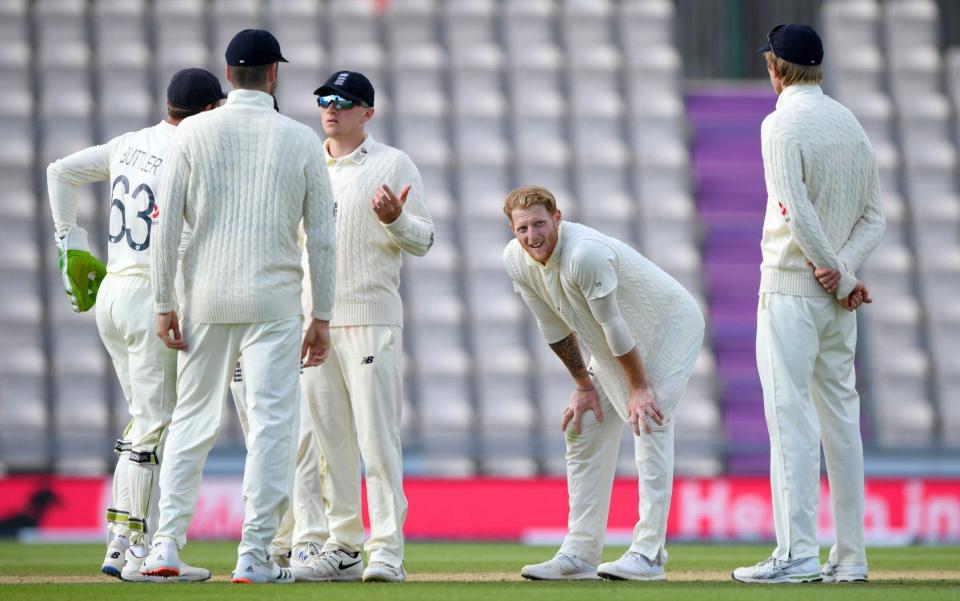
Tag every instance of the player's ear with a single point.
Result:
(229, 77)
(368, 114)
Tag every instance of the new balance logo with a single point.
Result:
(367, 360)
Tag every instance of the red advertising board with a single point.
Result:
(898, 511)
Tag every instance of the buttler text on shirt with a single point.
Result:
(141, 159)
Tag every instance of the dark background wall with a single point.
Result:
(719, 38)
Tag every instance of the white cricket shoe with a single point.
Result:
(378, 571)
(131, 572)
(331, 566)
(835, 573)
(113, 560)
(777, 571)
(303, 553)
(163, 560)
(282, 559)
(631, 566)
(562, 567)
(251, 571)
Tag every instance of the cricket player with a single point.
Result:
(244, 178)
(644, 332)
(354, 398)
(823, 209)
(132, 163)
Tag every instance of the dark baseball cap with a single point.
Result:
(194, 88)
(798, 44)
(348, 84)
(252, 47)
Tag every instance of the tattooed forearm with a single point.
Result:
(568, 350)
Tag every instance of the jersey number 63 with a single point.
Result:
(146, 215)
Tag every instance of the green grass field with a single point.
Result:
(478, 571)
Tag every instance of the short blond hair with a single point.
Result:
(525, 197)
(791, 73)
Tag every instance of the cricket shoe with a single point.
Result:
(131, 572)
(780, 571)
(331, 566)
(562, 567)
(632, 566)
(378, 571)
(835, 573)
(163, 560)
(113, 560)
(303, 554)
(251, 571)
(282, 559)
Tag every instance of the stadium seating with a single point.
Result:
(585, 97)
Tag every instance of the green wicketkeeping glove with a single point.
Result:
(80, 271)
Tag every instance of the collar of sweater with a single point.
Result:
(250, 98)
(357, 157)
(797, 91)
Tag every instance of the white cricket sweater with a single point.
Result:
(369, 253)
(664, 319)
(132, 163)
(243, 177)
(823, 192)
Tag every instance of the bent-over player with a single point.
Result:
(644, 332)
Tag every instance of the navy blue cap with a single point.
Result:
(798, 44)
(253, 47)
(194, 88)
(348, 84)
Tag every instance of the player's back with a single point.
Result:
(836, 158)
(246, 182)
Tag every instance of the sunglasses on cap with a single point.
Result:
(339, 102)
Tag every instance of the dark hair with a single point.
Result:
(249, 77)
(180, 113)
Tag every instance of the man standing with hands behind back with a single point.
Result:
(823, 209)
(243, 178)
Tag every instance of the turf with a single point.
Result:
(902, 574)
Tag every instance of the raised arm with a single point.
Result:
(403, 212)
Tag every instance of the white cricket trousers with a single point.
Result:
(305, 520)
(271, 360)
(147, 371)
(805, 350)
(592, 464)
(355, 400)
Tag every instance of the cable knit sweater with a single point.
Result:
(823, 192)
(244, 177)
(662, 316)
(369, 253)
